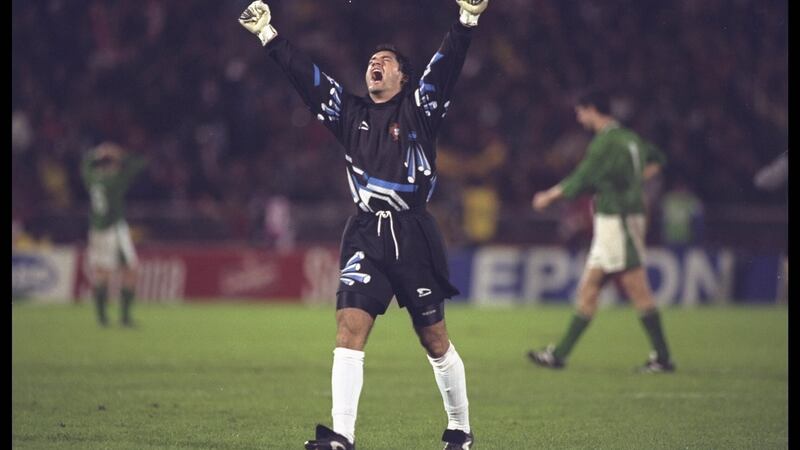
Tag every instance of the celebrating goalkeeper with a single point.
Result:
(391, 246)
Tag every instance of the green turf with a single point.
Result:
(243, 376)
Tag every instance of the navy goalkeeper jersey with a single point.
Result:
(389, 148)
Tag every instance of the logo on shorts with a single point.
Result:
(350, 274)
(422, 292)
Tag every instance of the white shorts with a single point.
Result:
(112, 247)
(616, 247)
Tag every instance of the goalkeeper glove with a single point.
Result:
(470, 10)
(256, 20)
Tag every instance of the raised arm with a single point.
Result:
(131, 165)
(86, 166)
(773, 175)
(322, 94)
(436, 84)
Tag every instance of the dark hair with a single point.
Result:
(597, 98)
(402, 60)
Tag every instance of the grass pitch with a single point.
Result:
(243, 376)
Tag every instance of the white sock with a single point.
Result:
(449, 373)
(347, 377)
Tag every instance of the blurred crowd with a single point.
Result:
(182, 82)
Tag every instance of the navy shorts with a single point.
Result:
(398, 254)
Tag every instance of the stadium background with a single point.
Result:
(239, 166)
(238, 216)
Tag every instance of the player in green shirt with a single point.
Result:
(107, 172)
(616, 164)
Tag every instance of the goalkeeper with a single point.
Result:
(391, 246)
(614, 168)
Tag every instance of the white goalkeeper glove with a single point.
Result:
(256, 19)
(470, 10)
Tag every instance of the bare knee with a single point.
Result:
(353, 327)
(587, 302)
(434, 338)
(100, 277)
(637, 289)
(644, 304)
(588, 292)
(129, 278)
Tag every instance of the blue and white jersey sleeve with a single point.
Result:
(322, 94)
(432, 95)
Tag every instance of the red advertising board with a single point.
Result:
(212, 273)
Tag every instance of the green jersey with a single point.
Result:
(612, 170)
(107, 190)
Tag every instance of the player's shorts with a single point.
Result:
(617, 242)
(112, 247)
(394, 254)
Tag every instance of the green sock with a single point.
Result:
(576, 327)
(100, 293)
(126, 299)
(652, 324)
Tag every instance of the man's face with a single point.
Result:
(383, 73)
(585, 115)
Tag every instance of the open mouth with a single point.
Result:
(377, 75)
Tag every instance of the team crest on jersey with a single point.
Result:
(394, 131)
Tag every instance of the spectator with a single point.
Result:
(681, 216)
(713, 74)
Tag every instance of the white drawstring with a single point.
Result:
(382, 215)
